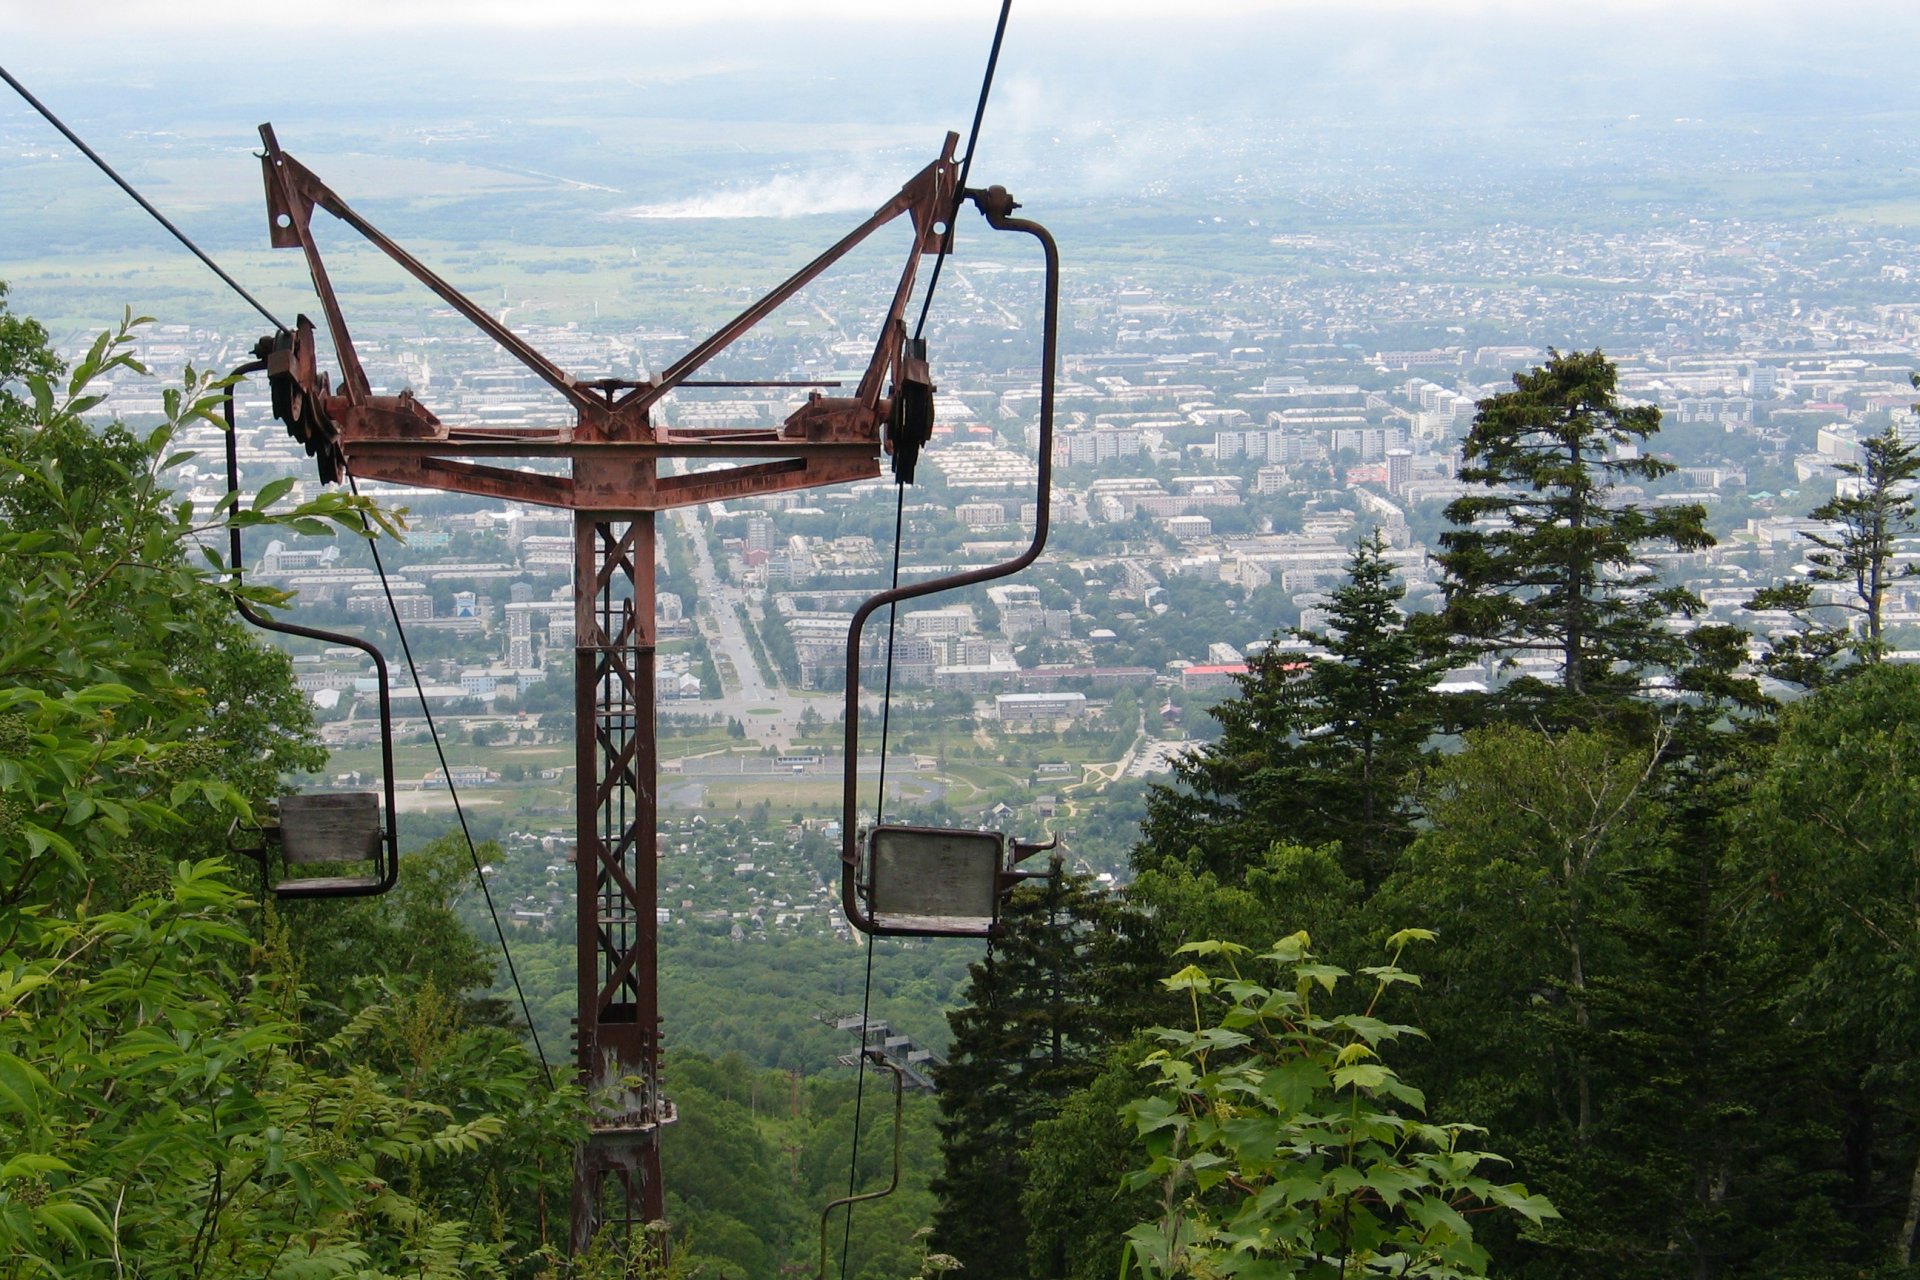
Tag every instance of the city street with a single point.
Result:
(770, 712)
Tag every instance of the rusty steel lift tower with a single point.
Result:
(606, 469)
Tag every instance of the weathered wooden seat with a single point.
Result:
(331, 830)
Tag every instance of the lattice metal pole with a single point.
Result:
(617, 1170)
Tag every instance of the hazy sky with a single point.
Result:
(1134, 100)
(1521, 58)
(102, 16)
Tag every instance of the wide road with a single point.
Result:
(717, 614)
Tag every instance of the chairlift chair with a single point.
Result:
(910, 881)
(332, 844)
(933, 882)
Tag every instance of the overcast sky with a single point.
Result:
(1201, 54)
(103, 16)
(1129, 94)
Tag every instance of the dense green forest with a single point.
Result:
(1645, 928)
(194, 1083)
(1653, 915)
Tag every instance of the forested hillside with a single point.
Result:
(198, 1081)
(1646, 930)
(1674, 893)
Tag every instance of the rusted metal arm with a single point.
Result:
(608, 411)
(998, 207)
(292, 192)
(925, 196)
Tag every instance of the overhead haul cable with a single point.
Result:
(139, 199)
(899, 511)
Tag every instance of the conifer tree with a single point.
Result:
(1315, 749)
(1034, 1028)
(1545, 559)
(1856, 553)
(1372, 699)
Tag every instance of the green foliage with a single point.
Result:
(1830, 828)
(142, 701)
(1828, 840)
(1538, 841)
(1281, 1144)
(167, 1105)
(162, 1108)
(341, 947)
(23, 353)
(1546, 561)
(1857, 554)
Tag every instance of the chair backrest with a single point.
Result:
(927, 880)
(330, 828)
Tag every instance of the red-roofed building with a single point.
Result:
(1212, 677)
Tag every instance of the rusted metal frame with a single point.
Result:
(926, 215)
(589, 580)
(614, 694)
(998, 207)
(925, 194)
(616, 557)
(295, 179)
(770, 477)
(893, 335)
(617, 769)
(625, 973)
(767, 445)
(290, 225)
(460, 477)
(401, 462)
(631, 768)
(617, 988)
(292, 192)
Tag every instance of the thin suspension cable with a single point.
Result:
(879, 814)
(893, 610)
(139, 199)
(460, 812)
(966, 166)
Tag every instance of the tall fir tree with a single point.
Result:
(1372, 694)
(1545, 560)
(1316, 748)
(1034, 1029)
(1850, 568)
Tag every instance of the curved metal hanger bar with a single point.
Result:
(998, 207)
(389, 864)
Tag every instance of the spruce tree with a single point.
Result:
(1372, 697)
(1545, 559)
(1856, 553)
(1034, 1029)
(1314, 749)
